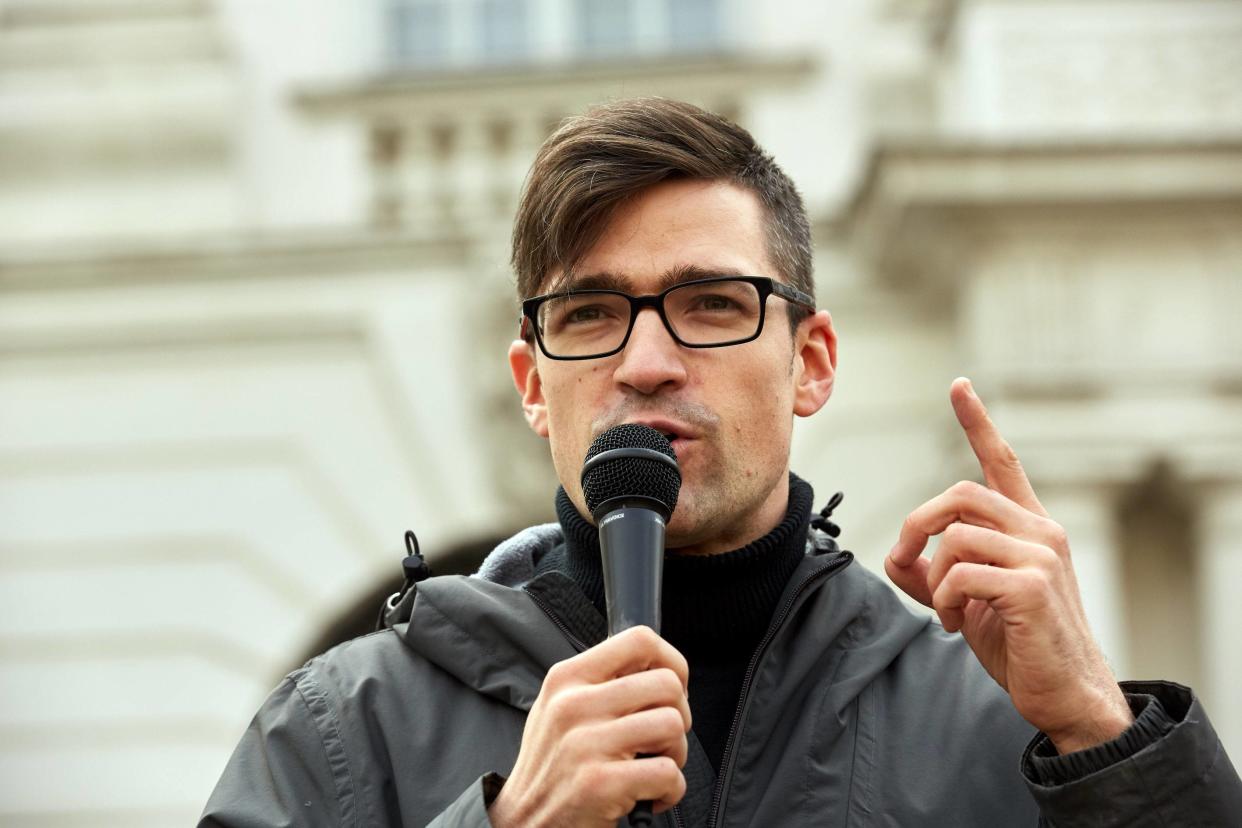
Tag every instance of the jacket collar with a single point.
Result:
(489, 633)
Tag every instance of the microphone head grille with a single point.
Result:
(631, 475)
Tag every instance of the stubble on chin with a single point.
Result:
(726, 503)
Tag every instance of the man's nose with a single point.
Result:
(652, 358)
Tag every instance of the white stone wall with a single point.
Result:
(235, 253)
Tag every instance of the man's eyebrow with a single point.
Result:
(690, 272)
(607, 280)
(603, 280)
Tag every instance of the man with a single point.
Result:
(664, 262)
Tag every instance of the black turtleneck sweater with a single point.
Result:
(716, 608)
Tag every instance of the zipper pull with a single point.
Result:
(414, 565)
(822, 523)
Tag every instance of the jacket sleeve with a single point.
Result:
(291, 768)
(470, 809)
(284, 772)
(1169, 768)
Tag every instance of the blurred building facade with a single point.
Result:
(254, 302)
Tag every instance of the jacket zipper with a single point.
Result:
(773, 629)
(558, 623)
(579, 646)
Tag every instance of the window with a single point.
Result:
(605, 27)
(693, 24)
(418, 32)
(504, 30)
(436, 34)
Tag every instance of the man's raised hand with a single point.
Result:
(1002, 575)
(580, 761)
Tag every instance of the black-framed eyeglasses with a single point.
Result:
(703, 313)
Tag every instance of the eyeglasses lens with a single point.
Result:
(595, 322)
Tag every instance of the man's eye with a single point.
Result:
(716, 303)
(589, 313)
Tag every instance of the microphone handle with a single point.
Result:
(631, 542)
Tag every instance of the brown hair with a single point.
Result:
(594, 161)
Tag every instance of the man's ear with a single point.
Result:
(815, 363)
(529, 386)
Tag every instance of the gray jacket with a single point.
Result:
(855, 712)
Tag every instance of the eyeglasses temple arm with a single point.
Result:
(793, 294)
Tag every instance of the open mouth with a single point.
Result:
(677, 442)
(677, 439)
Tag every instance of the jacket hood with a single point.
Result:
(484, 630)
(489, 633)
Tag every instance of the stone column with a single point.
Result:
(1220, 573)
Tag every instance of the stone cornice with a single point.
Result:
(982, 172)
(553, 85)
(915, 189)
(222, 257)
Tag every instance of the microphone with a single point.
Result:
(630, 481)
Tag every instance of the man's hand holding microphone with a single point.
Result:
(606, 736)
(607, 731)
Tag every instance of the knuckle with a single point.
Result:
(669, 720)
(1009, 458)
(683, 666)
(667, 769)
(964, 488)
(615, 809)
(1047, 557)
(564, 707)
(954, 534)
(677, 783)
(948, 584)
(1057, 537)
(646, 636)
(669, 683)
(559, 675)
(1042, 580)
(910, 526)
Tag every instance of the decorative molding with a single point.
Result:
(556, 86)
(146, 550)
(70, 12)
(231, 332)
(231, 256)
(169, 642)
(166, 731)
(283, 453)
(918, 197)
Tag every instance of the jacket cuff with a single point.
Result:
(470, 809)
(1134, 782)
(1043, 764)
(492, 783)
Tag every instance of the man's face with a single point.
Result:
(731, 409)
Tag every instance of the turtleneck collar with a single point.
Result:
(712, 603)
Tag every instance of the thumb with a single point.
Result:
(912, 579)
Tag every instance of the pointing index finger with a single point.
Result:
(1001, 468)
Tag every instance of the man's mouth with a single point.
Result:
(677, 436)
